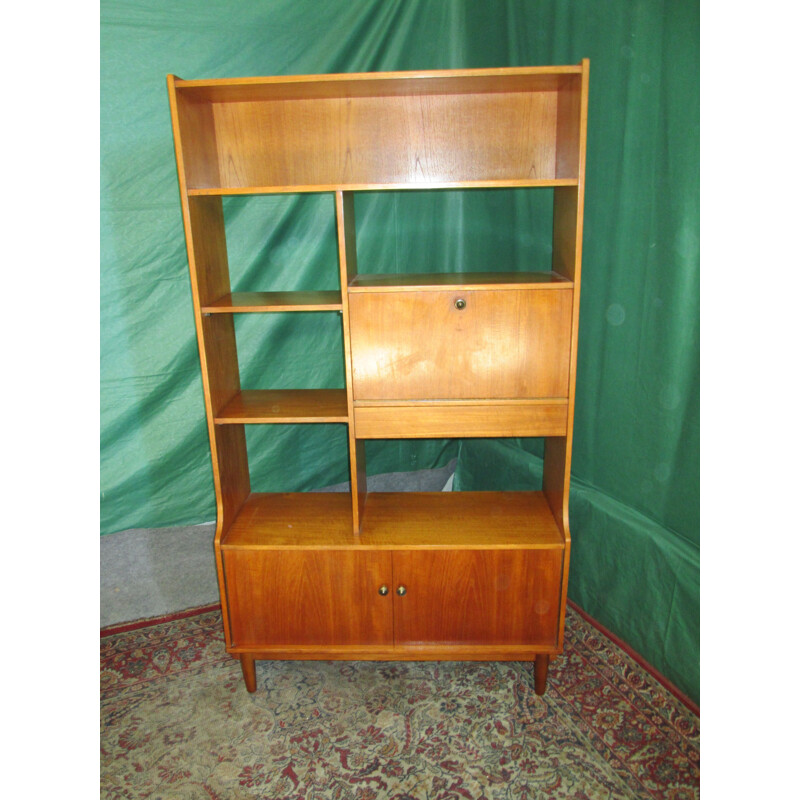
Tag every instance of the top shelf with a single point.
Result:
(379, 84)
(226, 191)
(410, 130)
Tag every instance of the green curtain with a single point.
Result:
(635, 491)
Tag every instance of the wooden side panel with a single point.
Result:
(566, 238)
(489, 597)
(193, 133)
(308, 597)
(421, 345)
(198, 142)
(209, 248)
(231, 472)
(568, 128)
(421, 139)
(219, 360)
(565, 220)
(567, 260)
(567, 256)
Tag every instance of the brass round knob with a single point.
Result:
(383, 591)
(460, 303)
(401, 590)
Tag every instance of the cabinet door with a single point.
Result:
(460, 344)
(308, 597)
(479, 597)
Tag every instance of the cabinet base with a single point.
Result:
(541, 663)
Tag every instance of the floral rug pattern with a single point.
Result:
(178, 724)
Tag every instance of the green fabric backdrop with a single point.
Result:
(635, 496)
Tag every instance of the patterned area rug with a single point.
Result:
(177, 723)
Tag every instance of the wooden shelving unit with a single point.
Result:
(474, 575)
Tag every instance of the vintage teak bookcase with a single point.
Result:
(359, 575)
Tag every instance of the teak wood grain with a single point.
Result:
(450, 597)
(387, 140)
(466, 520)
(477, 597)
(486, 419)
(395, 521)
(270, 406)
(311, 597)
(418, 345)
(456, 128)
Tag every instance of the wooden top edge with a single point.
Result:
(470, 403)
(457, 281)
(568, 69)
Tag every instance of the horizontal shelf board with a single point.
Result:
(460, 519)
(433, 281)
(396, 521)
(225, 191)
(244, 302)
(468, 402)
(388, 84)
(303, 519)
(256, 406)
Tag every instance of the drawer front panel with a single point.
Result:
(428, 421)
(460, 344)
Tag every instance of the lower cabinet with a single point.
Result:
(386, 601)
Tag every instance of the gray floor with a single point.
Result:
(148, 572)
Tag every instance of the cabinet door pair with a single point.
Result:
(386, 598)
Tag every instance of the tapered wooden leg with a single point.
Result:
(540, 673)
(249, 671)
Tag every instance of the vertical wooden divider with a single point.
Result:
(348, 268)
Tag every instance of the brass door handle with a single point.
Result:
(401, 590)
(460, 304)
(383, 591)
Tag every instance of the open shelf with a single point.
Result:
(431, 520)
(458, 280)
(381, 131)
(285, 405)
(298, 519)
(249, 302)
(396, 520)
